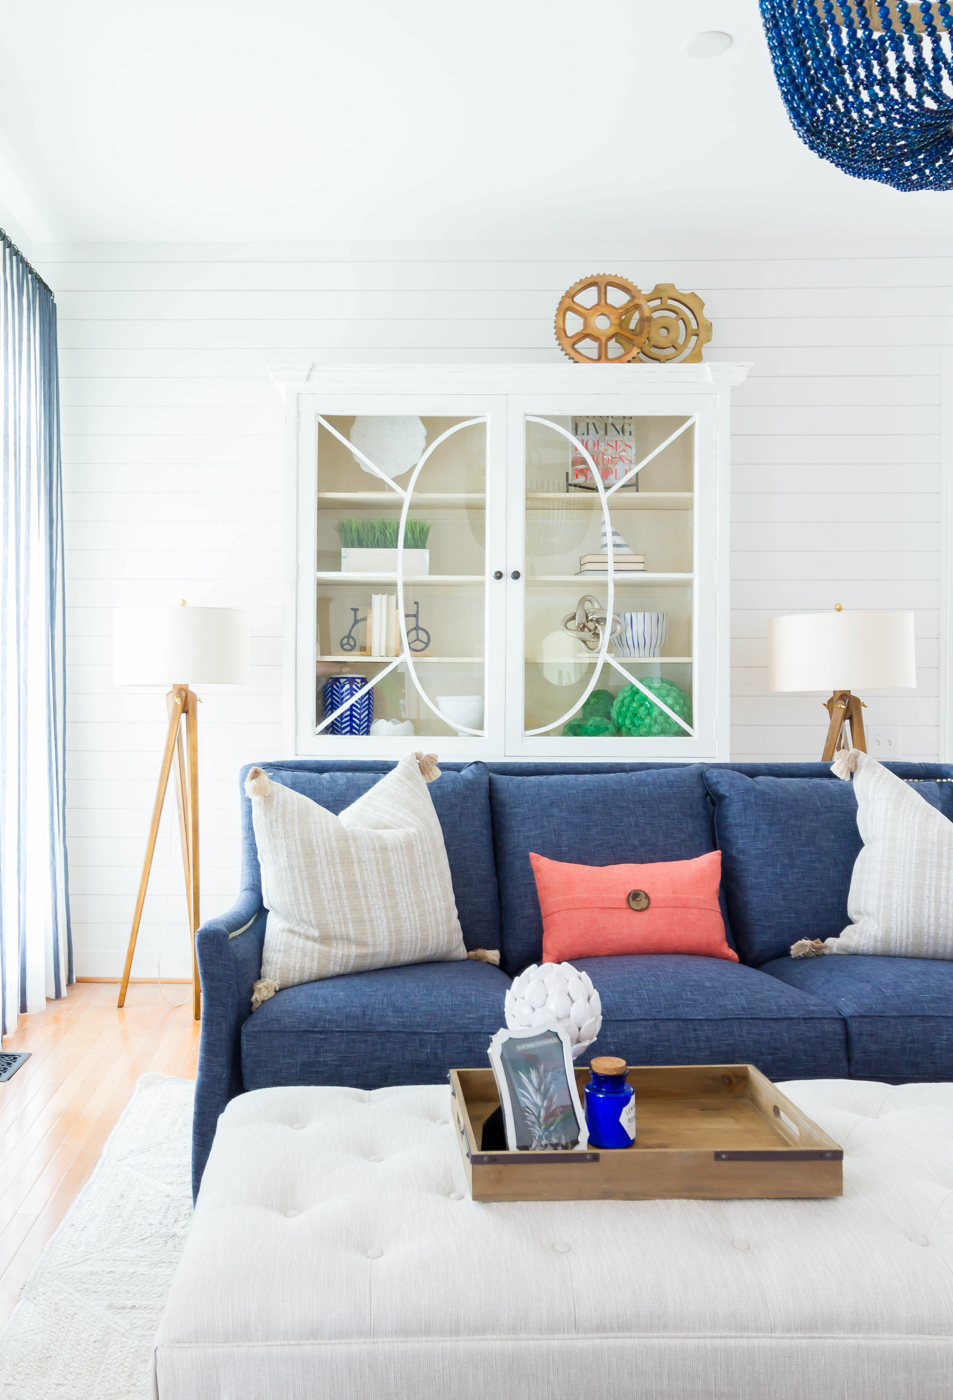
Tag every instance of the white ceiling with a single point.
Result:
(424, 119)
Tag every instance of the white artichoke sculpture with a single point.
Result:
(555, 992)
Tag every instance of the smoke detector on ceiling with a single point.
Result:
(709, 44)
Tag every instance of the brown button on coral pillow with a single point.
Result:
(596, 911)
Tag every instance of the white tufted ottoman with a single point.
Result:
(336, 1255)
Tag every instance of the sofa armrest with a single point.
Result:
(229, 950)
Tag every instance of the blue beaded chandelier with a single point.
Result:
(874, 99)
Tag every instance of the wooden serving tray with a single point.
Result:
(703, 1132)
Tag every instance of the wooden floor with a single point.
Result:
(59, 1108)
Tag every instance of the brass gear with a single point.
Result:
(678, 329)
(604, 324)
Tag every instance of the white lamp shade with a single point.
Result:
(856, 651)
(169, 646)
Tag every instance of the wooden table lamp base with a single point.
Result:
(181, 703)
(847, 722)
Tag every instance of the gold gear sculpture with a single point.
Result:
(678, 329)
(625, 325)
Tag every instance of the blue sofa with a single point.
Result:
(788, 837)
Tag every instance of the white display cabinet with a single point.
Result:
(502, 463)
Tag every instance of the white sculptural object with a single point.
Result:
(394, 443)
(555, 992)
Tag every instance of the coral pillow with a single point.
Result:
(596, 911)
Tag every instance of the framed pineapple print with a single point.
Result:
(537, 1087)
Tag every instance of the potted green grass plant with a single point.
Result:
(370, 547)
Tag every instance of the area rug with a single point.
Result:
(84, 1326)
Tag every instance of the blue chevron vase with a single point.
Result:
(357, 718)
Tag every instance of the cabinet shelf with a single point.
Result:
(359, 658)
(414, 580)
(623, 660)
(411, 581)
(633, 500)
(393, 498)
(621, 580)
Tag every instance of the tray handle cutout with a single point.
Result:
(789, 1123)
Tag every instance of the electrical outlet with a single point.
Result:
(884, 742)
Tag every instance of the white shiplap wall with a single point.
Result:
(173, 447)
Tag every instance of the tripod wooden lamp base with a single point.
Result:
(181, 703)
(211, 645)
(846, 729)
(822, 651)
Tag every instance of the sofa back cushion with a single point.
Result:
(788, 847)
(462, 803)
(591, 819)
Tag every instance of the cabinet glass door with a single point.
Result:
(610, 582)
(408, 618)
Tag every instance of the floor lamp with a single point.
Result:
(152, 647)
(844, 652)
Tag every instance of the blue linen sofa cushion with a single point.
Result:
(591, 819)
(396, 1025)
(788, 847)
(461, 799)
(898, 1011)
(677, 1009)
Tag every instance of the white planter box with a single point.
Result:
(384, 561)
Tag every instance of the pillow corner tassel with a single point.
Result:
(263, 990)
(257, 782)
(485, 955)
(845, 763)
(427, 763)
(808, 948)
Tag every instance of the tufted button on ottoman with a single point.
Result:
(391, 1284)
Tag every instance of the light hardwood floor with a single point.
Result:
(59, 1108)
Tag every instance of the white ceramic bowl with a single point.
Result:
(391, 728)
(464, 711)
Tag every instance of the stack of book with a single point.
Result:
(599, 563)
(383, 633)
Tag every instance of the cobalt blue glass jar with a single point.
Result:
(610, 1104)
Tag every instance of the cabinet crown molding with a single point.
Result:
(509, 379)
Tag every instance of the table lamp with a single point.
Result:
(843, 652)
(153, 646)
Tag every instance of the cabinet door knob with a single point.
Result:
(515, 573)
(498, 573)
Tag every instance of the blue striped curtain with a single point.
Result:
(35, 944)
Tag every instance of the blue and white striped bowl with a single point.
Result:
(643, 634)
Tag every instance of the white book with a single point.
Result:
(391, 624)
(376, 624)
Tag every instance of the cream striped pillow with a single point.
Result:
(368, 888)
(901, 891)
